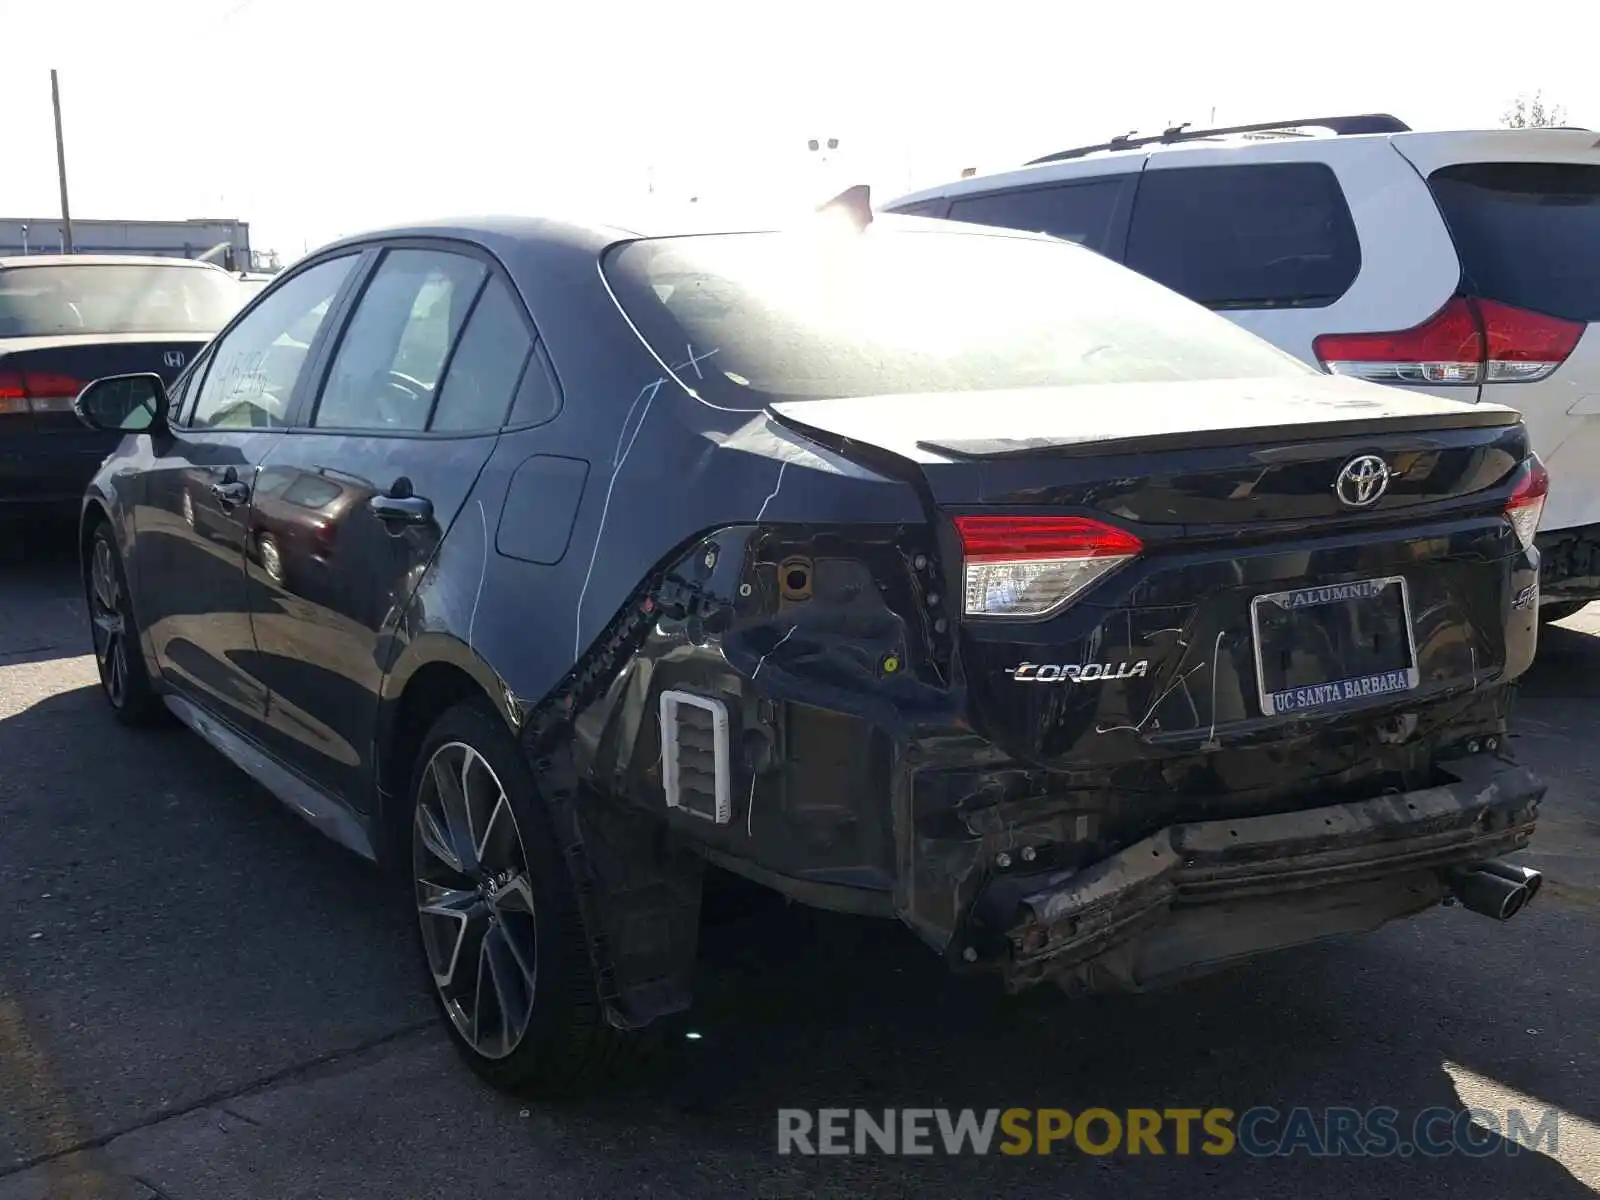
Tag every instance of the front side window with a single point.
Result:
(256, 365)
(826, 314)
(182, 389)
(1078, 212)
(388, 366)
(115, 298)
(1264, 235)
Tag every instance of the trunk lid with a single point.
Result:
(1176, 454)
(1255, 604)
(40, 377)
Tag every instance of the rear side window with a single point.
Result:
(922, 208)
(1267, 235)
(1079, 212)
(1528, 233)
(486, 365)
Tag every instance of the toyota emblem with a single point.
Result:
(173, 359)
(1362, 481)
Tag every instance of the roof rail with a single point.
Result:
(1341, 126)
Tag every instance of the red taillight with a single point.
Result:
(12, 398)
(1018, 566)
(1468, 341)
(1522, 345)
(51, 383)
(1526, 504)
(37, 391)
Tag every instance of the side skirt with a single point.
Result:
(328, 815)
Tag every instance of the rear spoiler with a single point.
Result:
(1146, 443)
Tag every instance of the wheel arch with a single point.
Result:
(431, 675)
(94, 512)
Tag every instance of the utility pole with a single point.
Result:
(61, 166)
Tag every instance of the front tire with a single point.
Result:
(503, 945)
(123, 678)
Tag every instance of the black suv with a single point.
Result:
(957, 576)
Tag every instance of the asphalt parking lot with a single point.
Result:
(201, 999)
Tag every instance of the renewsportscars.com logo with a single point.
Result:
(1260, 1132)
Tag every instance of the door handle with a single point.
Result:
(232, 492)
(404, 510)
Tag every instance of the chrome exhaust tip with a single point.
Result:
(1493, 888)
(1526, 876)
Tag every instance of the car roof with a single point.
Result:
(1264, 143)
(514, 233)
(1042, 172)
(101, 260)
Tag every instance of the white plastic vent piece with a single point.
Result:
(694, 729)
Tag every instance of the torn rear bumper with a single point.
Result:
(1192, 897)
(1569, 563)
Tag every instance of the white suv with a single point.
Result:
(1466, 264)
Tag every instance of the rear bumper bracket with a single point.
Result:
(1352, 863)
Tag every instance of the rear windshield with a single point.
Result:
(1528, 233)
(761, 317)
(115, 298)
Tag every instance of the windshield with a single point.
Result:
(765, 317)
(115, 298)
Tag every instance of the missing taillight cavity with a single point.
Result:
(1526, 505)
(1467, 342)
(1030, 566)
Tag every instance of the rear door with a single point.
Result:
(1523, 208)
(363, 490)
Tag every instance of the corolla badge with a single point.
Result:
(1031, 672)
(1362, 481)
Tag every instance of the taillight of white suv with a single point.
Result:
(1468, 341)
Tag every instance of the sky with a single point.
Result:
(312, 119)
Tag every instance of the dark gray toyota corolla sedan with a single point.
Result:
(948, 574)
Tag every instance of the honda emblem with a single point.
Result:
(173, 359)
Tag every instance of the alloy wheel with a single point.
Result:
(272, 559)
(109, 626)
(474, 900)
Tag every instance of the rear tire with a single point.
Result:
(117, 652)
(489, 881)
(1561, 610)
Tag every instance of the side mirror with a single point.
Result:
(124, 403)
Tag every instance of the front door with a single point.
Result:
(354, 502)
(194, 517)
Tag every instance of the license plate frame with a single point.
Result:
(1334, 693)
